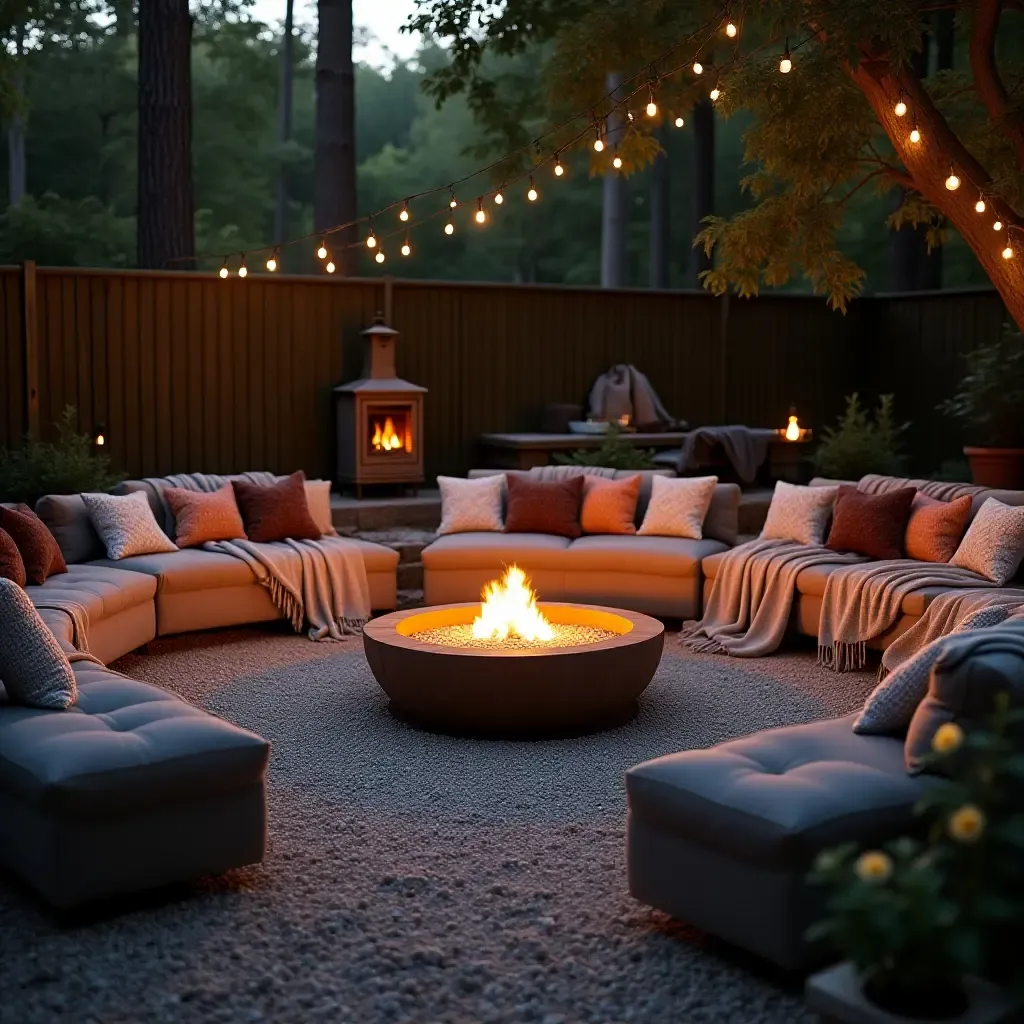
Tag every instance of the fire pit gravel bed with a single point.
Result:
(566, 635)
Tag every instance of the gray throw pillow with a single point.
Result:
(33, 668)
(126, 525)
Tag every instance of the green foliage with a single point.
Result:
(931, 912)
(990, 399)
(862, 443)
(615, 453)
(69, 465)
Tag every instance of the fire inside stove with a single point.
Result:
(510, 619)
(389, 438)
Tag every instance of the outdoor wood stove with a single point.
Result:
(380, 419)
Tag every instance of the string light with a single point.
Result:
(979, 206)
(380, 257)
(652, 106)
(731, 30)
(481, 217)
(453, 202)
(698, 68)
(715, 93)
(1007, 253)
(330, 267)
(322, 251)
(371, 238)
(499, 198)
(680, 122)
(901, 107)
(532, 194)
(997, 225)
(952, 182)
(404, 215)
(617, 162)
(786, 64)
(559, 169)
(406, 247)
(598, 141)
(272, 261)
(243, 270)
(224, 268)
(449, 228)
(915, 135)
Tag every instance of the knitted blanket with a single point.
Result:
(751, 600)
(74, 610)
(746, 448)
(861, 602)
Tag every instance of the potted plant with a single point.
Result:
(990, 405)
(927, 927)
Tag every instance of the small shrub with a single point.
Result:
(862, 443)
(68, 465)
(615, 453)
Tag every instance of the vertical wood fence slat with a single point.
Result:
(30, 347)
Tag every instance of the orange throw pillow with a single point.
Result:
(278, 511)
(936, 527)
(609, 506)
(200, 516)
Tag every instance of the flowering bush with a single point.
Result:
(919, 915)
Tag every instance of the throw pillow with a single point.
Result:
(471, 505)
(39, 550)
(33, 668)
(544, 506)
(12, 566)
(126, 525)
(936, 527)
(870, 524)
(609, 506)
(678, 506)
(799, 513)
(994, 543)
(200, 516)
(318, 498)
(276, 512)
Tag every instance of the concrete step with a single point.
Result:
(422, 512)
(410, 576)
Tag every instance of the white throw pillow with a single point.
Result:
(678, 506)
(994, 543)
(799, 513)
(126, 524)
(471, 504)
(318, 498)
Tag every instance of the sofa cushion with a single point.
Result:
(473, 505)
(103, 591)
(936, 527)
(871, 524)
(39, 551)
(799, 513)
(678, 507)
(124, 745)
(278, 511)
(12, 565)
(187, 570)
(993, 546)
(652, 556)
(68, 519)
(609, 506)
(201, 516)
(126, 525)
(544, 506)
(779, 797)
(496, 550)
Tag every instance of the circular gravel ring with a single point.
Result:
(514, 693)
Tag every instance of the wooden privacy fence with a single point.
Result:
(187, 372)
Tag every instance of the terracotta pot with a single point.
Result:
(997, 467)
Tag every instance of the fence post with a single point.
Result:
(389, 282)
(723, 370)
(30, 346)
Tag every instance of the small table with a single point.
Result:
(524, 451)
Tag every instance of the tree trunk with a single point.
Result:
(661, 213)
(284, 122)
(166, 204)
(16, 128)
(334, 165)
(703, 185)
(615, 213)
(927, 165)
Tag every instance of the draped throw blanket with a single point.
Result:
(746, 448)
(861, 602)
(624, 391)
(75, 611)
(748, 611)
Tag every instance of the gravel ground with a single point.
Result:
(412, 877)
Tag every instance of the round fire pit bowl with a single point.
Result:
(514, 691)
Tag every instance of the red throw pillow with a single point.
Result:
(11, 565)
(39, 551)
(276, 512)
(544, 506)
(871, 524)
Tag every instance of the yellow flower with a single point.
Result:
(873, 866)
(967, 823)
(948, 737)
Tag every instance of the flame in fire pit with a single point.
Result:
(510, 608)
(386, 438)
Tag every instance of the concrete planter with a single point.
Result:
(837, 997)
(997, 467)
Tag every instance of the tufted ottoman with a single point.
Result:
(723, 838)
(129, 789)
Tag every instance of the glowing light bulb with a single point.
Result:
(598, 145)
(371, 241)
(786, 64)
(652, 109)
(498, 198)
(617, 162)
(330, 267)
(680, 122)
(715, 93)
(449, 228)
(698, 68)
(406, 249)
(997, 225)
(731, 30)
(380, 257)
(532, 194)
(453, 202)
(1007, 253)
(559, 169)
(243, 270)
(404, 215)
(915, 135)
(979, 206)
(224, 270)
(952, 182)
(480, 216)
(901, 108)
(322, 251)
(793, 428)
(272, 262)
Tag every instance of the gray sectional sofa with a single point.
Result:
(655, 575)
(132, 787)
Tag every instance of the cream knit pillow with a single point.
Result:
(799, 513)
(468, 505)
(678, 506)
(126, 525)
(994, 543)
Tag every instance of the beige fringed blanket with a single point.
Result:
(748, 611)
(75, 610)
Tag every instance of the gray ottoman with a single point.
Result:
(723, 838)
